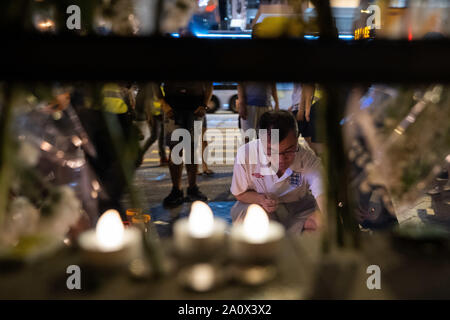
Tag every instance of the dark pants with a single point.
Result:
(156, 124)
(308, 129)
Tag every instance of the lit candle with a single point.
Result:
(257, 239)
(109, 231)
(110, 244)
(45, 25)
(200, 234)
(256, 224)
(201, 220)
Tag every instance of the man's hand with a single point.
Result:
(200, 111)
(270, 205)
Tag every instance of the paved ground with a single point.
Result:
(433, 210)
(153, 182)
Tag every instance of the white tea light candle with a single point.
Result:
(109, 231)
(201, 220)
(256, 225)
(257, 239)
(200, 234)
(110, 244)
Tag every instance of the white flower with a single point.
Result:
(65, 212)
(22, 219)
(28, 154)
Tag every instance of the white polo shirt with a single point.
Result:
(304, 174)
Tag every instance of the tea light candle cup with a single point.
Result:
(110, 244)
(141, 221)
(133, 212)
(257, 239)
(200, 235)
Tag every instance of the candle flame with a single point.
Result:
(47, 24)
(109, 231)
(256, 224)
(201, 220)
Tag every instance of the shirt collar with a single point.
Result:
(285, 175)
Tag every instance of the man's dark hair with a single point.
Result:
(282, 120)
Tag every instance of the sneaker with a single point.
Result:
(174, 199)
(194, 194)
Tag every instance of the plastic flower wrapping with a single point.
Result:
(48, 177)
(398, 141)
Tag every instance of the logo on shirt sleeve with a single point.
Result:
(257, 175)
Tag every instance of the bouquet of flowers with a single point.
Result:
(37, 213)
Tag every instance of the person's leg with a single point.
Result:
(176, 171)
(205, 168)
(160, 134)
(251, 122)
(244, 126)
(175, 197)
(304, 129)
(204, 145)
(314, 142)
(153, 135)
(252, 117)
(191, 170)
(193, 192)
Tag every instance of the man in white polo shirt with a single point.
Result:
(281, 175)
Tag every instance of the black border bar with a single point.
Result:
(58, 58)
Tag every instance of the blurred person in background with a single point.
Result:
(183, 103)
(61, 142)
(148, 99)
(109, 125)
(206, 170)
(305, 102)
(254, 100)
